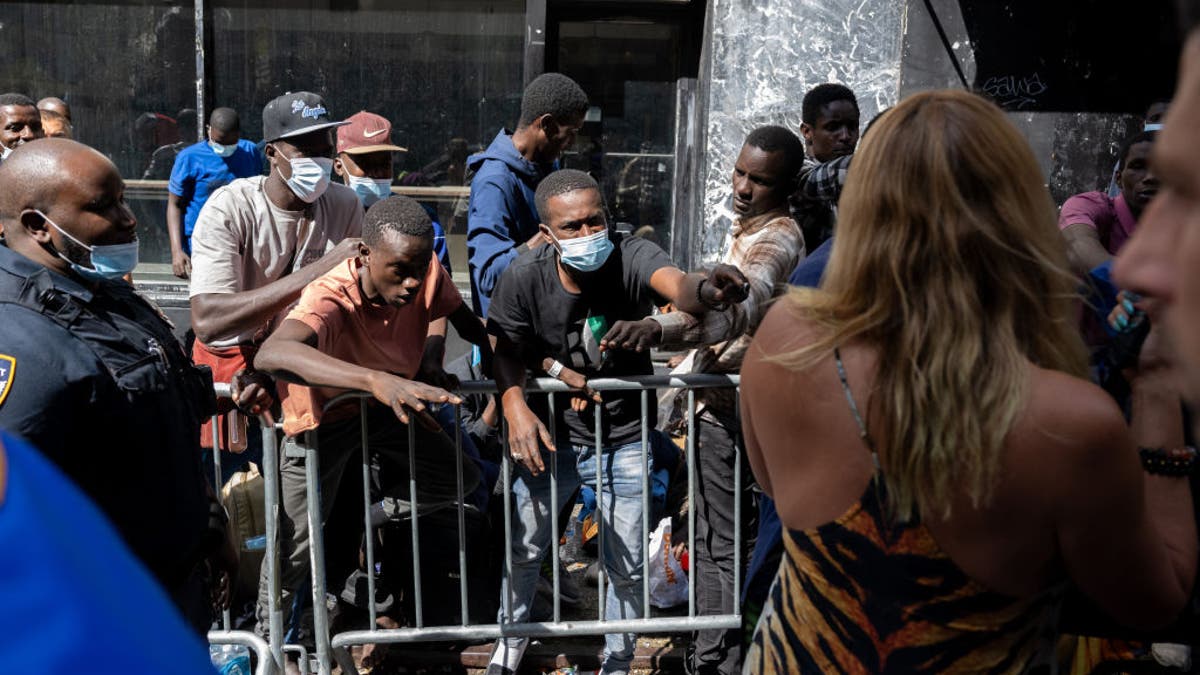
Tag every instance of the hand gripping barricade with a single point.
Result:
(338, 648)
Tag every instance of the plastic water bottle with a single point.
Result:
(230, 659)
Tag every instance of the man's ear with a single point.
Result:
(806, 131)
(35, 225)
(547, 124)
(545, 229)
(338, 168)
(363, 250)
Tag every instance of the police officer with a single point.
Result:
(91, 374)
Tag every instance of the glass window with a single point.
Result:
(629, 68)
(127, 70)
(446, 73)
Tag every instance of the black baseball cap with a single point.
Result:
(295, 114)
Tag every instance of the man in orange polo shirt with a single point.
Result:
(363, 326)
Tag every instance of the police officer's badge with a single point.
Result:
(8, 370)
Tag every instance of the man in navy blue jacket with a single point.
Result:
(502, 220)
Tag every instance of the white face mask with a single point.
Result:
(310, 177)
(221, 149)
(370, 190)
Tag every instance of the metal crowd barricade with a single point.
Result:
(269, 656)
(338, 648)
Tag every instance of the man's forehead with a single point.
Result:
(20, 111)
(842, 108)
(400, 247)
(574, 200)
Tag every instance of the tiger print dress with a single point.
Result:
(863, 595)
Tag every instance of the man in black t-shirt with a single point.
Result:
(580, 307)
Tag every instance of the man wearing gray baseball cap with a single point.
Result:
(256, 244)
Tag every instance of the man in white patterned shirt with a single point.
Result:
(766, 244)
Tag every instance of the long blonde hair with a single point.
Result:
(949, 265)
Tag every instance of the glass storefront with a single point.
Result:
(447, 73)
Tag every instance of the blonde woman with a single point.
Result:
(939, 464)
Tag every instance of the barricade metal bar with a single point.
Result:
(302, 662)
(462, 520)
(636, 383)
(662, 624)
(554, 538)
(645, 503)
(506, 466)
(271, 507)
(691, 469)
(266, 665)
(369, 533)
(507, 628)
(316, 550)
(737, 500)
(412, 509)
(217, 485)
(600, 513)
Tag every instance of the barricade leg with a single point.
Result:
(271, 557)
(217, 485)
(316, 552)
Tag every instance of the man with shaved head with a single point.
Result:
(91, 374)
(55, 105)
(56, 118)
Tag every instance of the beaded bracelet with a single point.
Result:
(1169, 462)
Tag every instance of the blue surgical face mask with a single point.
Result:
(1152, 126)
(370, 190)
(109, 261)
(221, 149)
(586, 254)
(310, 177)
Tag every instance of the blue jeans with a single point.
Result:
(623, 541)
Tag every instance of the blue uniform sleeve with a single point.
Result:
(490, 244)
(56, 540)
(182, 182)
(46, 387)
(440, 248)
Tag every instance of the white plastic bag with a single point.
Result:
(668, 581)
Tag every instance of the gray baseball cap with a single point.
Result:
(295, 114)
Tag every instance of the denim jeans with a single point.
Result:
(621, 469)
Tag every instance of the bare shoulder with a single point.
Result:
(1073, 416)
(785, 328)
(766, 379)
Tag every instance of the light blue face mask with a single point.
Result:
(370, 190)
(109, 261)
(586, 254)
(221, 149)
(1152, 126)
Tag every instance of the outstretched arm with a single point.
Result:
(291, 354)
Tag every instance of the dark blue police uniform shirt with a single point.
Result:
(114, 402)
